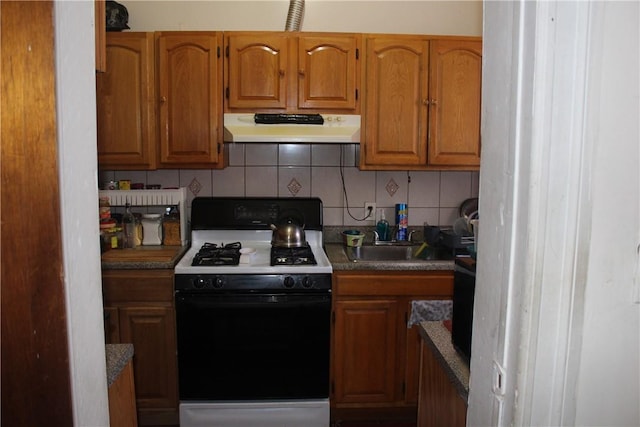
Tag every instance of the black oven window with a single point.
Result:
(239, 347)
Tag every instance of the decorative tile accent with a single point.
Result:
(294, 186)
(391, 187)
(195, 186)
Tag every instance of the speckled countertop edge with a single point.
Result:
(438, 338)
(118, 355)
(339, 261)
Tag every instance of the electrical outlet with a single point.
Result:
(369, 210)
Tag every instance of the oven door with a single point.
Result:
(253, 346)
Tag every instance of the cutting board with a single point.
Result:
(142, 254)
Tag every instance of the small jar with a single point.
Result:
(151, 229)
(171, 232)
(113, 238)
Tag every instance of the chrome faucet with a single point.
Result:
(377, 241)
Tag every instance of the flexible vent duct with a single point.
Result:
(294, 17)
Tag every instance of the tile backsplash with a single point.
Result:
(327, 171)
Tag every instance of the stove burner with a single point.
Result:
(211, 254)
(292, 256)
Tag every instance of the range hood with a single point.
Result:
(292, 128)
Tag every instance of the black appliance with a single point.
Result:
(464, 285)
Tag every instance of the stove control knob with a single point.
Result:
(200, 282)
(218, 283)
(289, 282)
(307, 282)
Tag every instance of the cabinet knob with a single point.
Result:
(433, 102)
(301, 73)
(425, 101)
(163, 99)
(281, 73)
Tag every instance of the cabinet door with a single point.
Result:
(365, 342)
(257, 71)
(125, 103)
(455, 95)
(328, 72)
(190, 110)
(396, 93)
(151, 330)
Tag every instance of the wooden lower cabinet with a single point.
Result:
(375, 358)
(122, 407)
(364, 370)
(440, 404)
(139, 309)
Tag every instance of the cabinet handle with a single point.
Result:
(425, 101)
(433, 102)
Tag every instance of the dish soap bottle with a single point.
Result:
(129, 225)
(382, 227)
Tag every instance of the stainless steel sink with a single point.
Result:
(380, 253)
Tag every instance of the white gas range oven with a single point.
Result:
(253, 321)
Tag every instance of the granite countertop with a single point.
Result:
(143, 258)
(118, 355)
(166, 257)
(339, 261)
(438, 339)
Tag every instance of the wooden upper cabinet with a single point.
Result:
(328, 72)
(292, 72)
(422, 103)
(395, 114)
(455, 97)
(190, 99)
(125, 103)
(257, 70)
